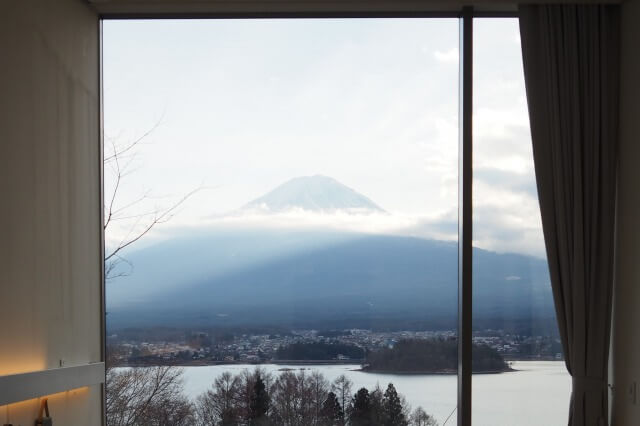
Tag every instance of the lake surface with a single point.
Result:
(536, 394)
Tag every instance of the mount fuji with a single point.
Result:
(317, 277)
(315, 194)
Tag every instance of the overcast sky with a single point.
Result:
(242, 106)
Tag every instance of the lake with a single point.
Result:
(536, 394)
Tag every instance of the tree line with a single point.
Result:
(154, 396)
(319, 351)
(432, 356)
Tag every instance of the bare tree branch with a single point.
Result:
(147, 396)
(109, 214)
(143, 222)
(135, 202)
(128, 147)
(161, 217)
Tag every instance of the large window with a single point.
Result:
(281, 208)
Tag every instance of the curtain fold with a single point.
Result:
(571, 67)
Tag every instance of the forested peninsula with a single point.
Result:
(435, 356)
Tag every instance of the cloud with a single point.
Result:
(502, 224)
(449, 57)
(513, 226)
(438, 226)
(506, 180)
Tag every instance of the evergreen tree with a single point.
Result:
(393, 410)
(360, 410)
(331, 413)
(259, 405)
(228, 418)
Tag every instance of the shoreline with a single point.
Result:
(311, 363)
(202, 363)
(433, 373)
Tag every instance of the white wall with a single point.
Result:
(626, 321)
(50, 264)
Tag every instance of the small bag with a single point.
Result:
(44, 420)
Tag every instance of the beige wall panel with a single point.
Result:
(626, 321)
(50, 291)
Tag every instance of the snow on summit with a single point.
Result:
(315, 194)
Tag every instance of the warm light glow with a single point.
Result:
(52, 397)
(22, 364)
(33, 405)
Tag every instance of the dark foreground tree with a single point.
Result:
(331, 413)
(376, 399)
(259, 404)
(393, 408)
(360, 409)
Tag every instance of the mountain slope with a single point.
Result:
(316, 278)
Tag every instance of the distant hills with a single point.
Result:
(323, 279)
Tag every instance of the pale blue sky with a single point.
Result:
(245, 105)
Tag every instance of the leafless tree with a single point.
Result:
(287, 400)
(176, 411)
(319, 388)
(297, 399)
(221, 404)
(147, 396)
(406, 408)
(420, 418)
(342, 386)
(205, 411)
(305, 395)
(140, 218)
(283, 401)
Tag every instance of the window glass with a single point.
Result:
(513, 312)
(294, 187)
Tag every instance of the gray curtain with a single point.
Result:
(570, 55)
